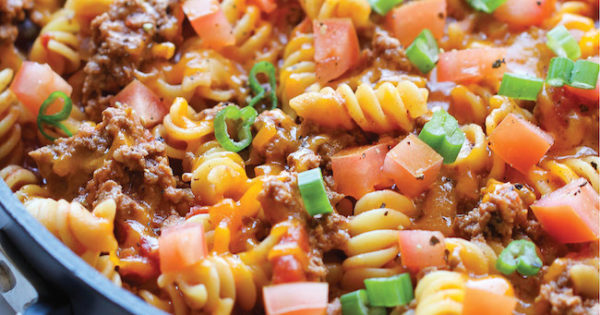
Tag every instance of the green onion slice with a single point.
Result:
(423, 52)
(487, 6)
(520, 256)
(520, 86)
(55, 119)
(559, 71)
(443, 134)
(377, 311)
(562, 43)
(268, 69)
(312, 190)
(389, 292)
(584, 75)
(382, 7)
(355, 303)
(247, 115)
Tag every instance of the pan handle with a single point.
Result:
(22, 288)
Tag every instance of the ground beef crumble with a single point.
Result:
(11, 12)
(503, 207)
(121, 43)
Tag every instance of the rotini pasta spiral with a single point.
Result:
(298, 70)
(357, 10)
(383, 109)
(58, 43)
(254, 40)
(11, 149)
(440, 293)
(184, 124)
(86, 233)
(217, 174)
(552, 174)
(473, 159)
(23, 182)
(374, 229)
(198, 72)
(470, 256)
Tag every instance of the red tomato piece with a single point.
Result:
(471, 65)
(524, 13)
(181, 246)
(209, 22)
(420, 249)
(336, 47)
(358, 171)
(298, 298)
(589, 95)
(144, 102)
(570, 214)
(490, 296)
(408, 20)
(520, 143)
(287, 269)
(34, 82)
(413, 165)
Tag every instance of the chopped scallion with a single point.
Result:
(520, 86)
(55, 119)
(382, 7)
(312, 190)
(559, 71)
(521, 256)
(443, 134)
(355, 303)
(584, 75)
(389, 292)
(247, 115)
(259, 91)
(423, 52)
(487, 6)
(562, 43)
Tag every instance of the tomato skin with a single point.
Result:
(297, 298)
(413, 165)
(524, 13)
(471, 65)
(520, 143)
(358, 171)
(145, 103)
(209, 22)
(491, 295)
(571, 213)
(406, 21)
(181, 246)
(420, 249)
(34, 82)
(336, 47)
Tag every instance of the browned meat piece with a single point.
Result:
(11, 12)
(121, 43)
(389, 52)
(281, 198)
(570, 286)
(503, 207)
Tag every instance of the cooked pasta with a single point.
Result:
(373, 247)
(10, 129)
(277, 157)
(298, 70)
(357, 10)
(440, 292)
(384, 109)
(86, 233)
(58, 43)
